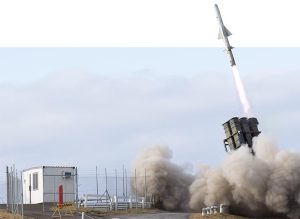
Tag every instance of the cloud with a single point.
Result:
(82, 118)
(73, 110)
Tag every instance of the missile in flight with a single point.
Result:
(224, 33)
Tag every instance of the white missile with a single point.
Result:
(224, 33)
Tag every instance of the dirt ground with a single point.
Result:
(214, 216)
(223, 216)
(4, 214)
(45, 212)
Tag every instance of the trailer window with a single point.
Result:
(35, 184)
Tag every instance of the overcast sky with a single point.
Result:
(99, 106)
(88, 107)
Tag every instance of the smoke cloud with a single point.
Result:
(261, 185)
(165, 180)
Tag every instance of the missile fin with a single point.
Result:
(227, 32)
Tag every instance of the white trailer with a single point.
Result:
(40, 184)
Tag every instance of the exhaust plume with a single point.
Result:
(241, 91)
(261, 185)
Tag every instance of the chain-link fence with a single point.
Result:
(14, 191)
(114, 189)
(93, 187)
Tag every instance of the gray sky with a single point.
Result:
(99, 106)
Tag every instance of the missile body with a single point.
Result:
(224, 33)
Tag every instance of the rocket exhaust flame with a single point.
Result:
(241, 92)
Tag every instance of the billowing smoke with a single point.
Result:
(241, 91)
(265, 184)
(166, 181)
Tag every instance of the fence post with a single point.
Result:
(135, 189)
(116, 199)
(106, 192)
(43, 173)
(17, 188)
(130, 202)
(126, 183)
(12, 189)
(145, 186)
(85, 200)
(126, 189)
(22, 205)
(76, 181)
(97, 185)
(54, 189)
(7, 188)
(123, 183)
